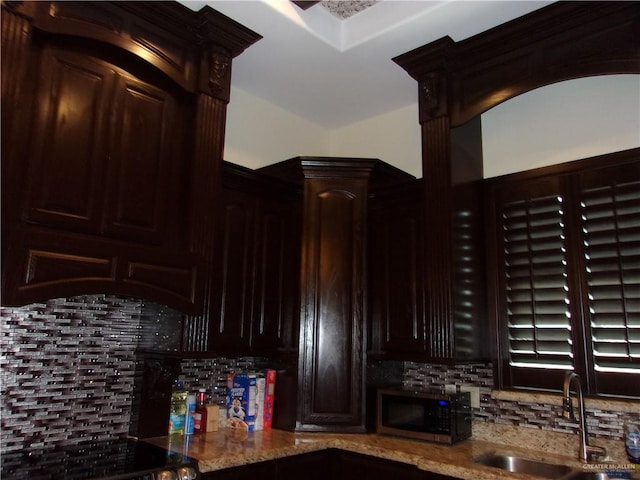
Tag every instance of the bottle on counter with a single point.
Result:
(178, 408)
(189, 420)
(200, 417)
(632, 442)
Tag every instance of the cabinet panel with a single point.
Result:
(310, 466)
(332, 324)
(50, 266)
(254, 295)
(261, 471)
(396, 280)
(404, 324)
(354, 465)
(276, 275)
(61, 264)
(69, 147)
(138, 192)
(231, 300)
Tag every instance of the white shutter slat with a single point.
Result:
(610, 217)
(535, 271)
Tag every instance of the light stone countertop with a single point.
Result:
(230, 448)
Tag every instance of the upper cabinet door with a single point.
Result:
(103, 149)
(69, 148)
(396, 278)
(277, 252)
(254, 288)
(145, 129)
(231, 297)
(112, 136)
(332, 313)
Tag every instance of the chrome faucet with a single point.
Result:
(586, 451)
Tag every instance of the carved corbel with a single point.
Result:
(215, 73)
(432, 100)
(219, 74)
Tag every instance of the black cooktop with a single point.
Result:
(114, 459)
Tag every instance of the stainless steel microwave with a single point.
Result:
(424, 415)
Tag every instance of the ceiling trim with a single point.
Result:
(304, 4)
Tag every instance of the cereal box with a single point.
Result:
(241, 401)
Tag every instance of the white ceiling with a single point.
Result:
(334, 71)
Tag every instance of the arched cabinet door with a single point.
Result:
(331, 343)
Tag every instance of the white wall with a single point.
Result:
(259, 133)
(562, 122)
(554, 124)
(393, 138)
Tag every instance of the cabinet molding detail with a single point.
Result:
(561, 41)
(87, 206)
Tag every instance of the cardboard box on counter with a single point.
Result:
(250, 400)
(241, 401)
(213, 414)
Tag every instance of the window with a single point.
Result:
(564, 263)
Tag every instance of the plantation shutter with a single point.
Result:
(564, 263)
(535, 277)
(610, 216)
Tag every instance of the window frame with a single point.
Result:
(565, 180)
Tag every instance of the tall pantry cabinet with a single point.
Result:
(323, 389)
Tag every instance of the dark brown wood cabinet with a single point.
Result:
(355, 465)
(112, 135)
(326, 464)
(257, 255)
(312, 466)
(89, 172)
(325, 387)
(331, 358)
(400, 278)
(261, 470)
(396, 272)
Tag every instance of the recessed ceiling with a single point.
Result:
(346, 8)
(335, 69)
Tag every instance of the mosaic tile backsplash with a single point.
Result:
(67, 370)
(67, 373)
(604, 424)
(67, 367)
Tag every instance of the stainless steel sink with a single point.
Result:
(527, 466)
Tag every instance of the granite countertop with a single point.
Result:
(230, 448)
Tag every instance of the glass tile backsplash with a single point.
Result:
(605, 424)
(67, 372)
(67, 367)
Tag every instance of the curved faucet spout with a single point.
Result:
(586, 451)
(567, 406)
